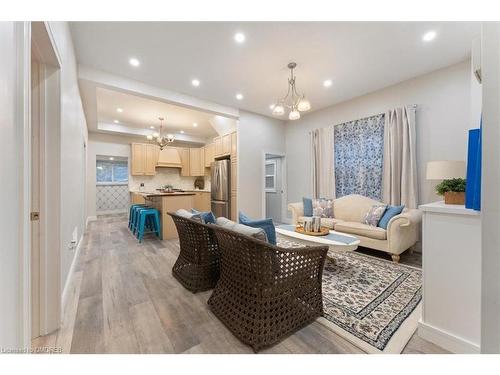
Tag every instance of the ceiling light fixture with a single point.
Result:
(428, 36)
(327, 82)
(111, 158)
(119, 110)
(182, 132)
(294, 101)
(239, 37)
(195, 124)
(239, 96)
(151, 127)
(195, 82)
(272, 106)
(161, 140)
(116, 121)
(134, 62)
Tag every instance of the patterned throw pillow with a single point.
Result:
(374, 215)
(323, 207)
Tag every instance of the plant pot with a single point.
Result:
(452, 197)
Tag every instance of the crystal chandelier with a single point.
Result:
(292, 100)
(161, 140)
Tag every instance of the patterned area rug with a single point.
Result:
(373, 303)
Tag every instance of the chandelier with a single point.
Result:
(295, 102)
(161, 140)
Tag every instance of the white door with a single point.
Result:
(274, 188)
(35, 198)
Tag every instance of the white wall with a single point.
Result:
(443, 118)
(73, 137)
(11, 192)
(257, 135)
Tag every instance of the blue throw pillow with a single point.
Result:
(206, 217)
(389, 213)
(308, 206)
(266, 224)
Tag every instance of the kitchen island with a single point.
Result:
(168, 202)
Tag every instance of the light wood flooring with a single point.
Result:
(122, 298)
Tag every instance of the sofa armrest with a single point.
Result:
(402, 230)
(297, 210)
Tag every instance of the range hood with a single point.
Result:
(169, 158)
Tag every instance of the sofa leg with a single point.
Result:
(395, 258)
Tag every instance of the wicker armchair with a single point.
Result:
(265, 292)
(197, 267)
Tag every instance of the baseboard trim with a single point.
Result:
(447, 340)
(89, 219)
(70, 274)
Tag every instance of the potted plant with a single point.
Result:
(453, 190)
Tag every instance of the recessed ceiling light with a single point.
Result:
(151, 127)
(195, 82)
(134, 62)
(327, 83)
(111, 158)
(428, 36)
(195, 124)
(239, 37)
(239, 96)
(119, 110)
(116, 121)
(182, 132)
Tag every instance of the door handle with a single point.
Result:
(35, 216)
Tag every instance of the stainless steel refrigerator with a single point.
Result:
(220, 185)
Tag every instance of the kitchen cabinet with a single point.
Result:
(196, 163)
(226, 144)
(137, 198)
(218, 146)
(209, 154)
(234, 145)
(144, 158)
(234, 207)
(184, 155)
(202, 201)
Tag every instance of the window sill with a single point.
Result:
(111, 183)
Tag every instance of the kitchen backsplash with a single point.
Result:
(165, 176)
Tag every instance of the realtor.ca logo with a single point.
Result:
(35, 350)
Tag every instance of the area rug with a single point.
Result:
(371, 302)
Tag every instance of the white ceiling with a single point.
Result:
(359, 57)
(141, 113)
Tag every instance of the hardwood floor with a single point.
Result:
(122, 298)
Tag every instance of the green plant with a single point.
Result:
(456, 185)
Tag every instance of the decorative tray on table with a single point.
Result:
(322, 232)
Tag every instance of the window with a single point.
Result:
(271, 176)
(111, 171)
(358, 149)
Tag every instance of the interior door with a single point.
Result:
(35, 198)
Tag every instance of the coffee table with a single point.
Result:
(334, 240)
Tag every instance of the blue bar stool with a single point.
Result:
(153, 215)
(135, 217)
(130, 214)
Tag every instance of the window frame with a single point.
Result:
(274, 163)
(112, 182)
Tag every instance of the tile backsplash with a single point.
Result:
(165, 176)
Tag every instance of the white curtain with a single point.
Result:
(399, 179)
(323, 170)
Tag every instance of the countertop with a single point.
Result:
(159, 194)
(455, 209)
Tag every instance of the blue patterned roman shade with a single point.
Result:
(358, 154)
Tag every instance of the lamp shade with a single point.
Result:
(445, 170)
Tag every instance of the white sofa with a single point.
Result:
(349, 212)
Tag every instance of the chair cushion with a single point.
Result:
(361, 229)
(325, 221)
(389, 214)
(308, 206)
(257, 233)
(206, 217)
(189, 215)
(374, 214)
(266, 224)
